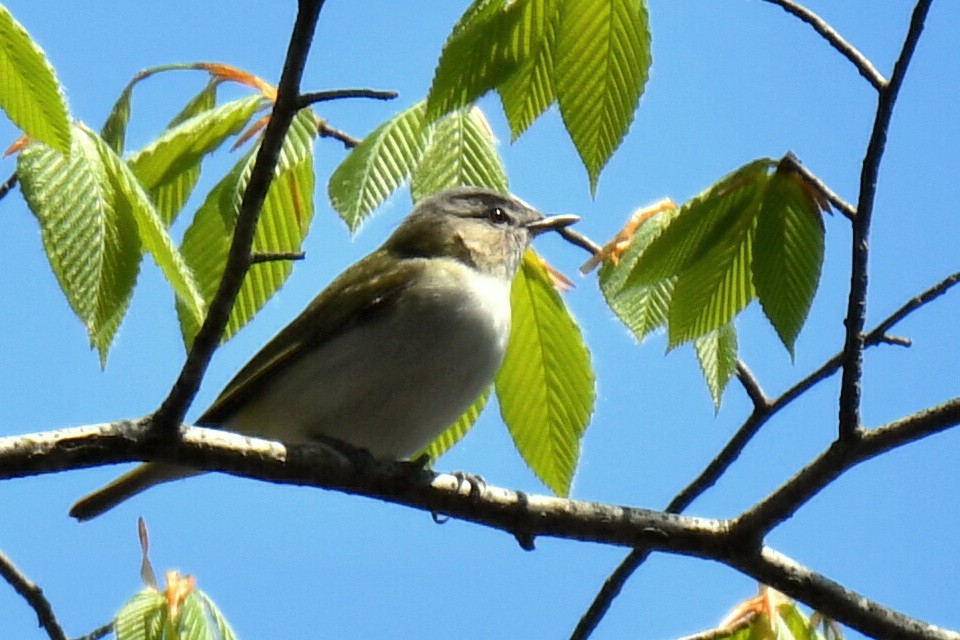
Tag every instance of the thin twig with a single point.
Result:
(7, 185)
(312, 97)
(259, 257)
(324, 130)
(723, 632)
(98, 633)
(845, 208)
(30, 592)
(577, 239)
(752, 386)
(171, 412)
(847, 50)
(731, 451)
(849, 418)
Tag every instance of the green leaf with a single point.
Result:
(717, 287)
(29, 91)
(90, 238)
(114, 131)
(284, 220)
(170, 196)
(168, 161)
(224, 630)
(378, 165)
(717, 354)
(456, 431)
(602, 59)
(141, 618)
(545, 386)
(192, 622)
(153, 233)
(529, 91)
(481, 52)
(788, 254)
(643, 308)
(701, 223)
(461, 152)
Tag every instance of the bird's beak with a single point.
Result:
(552, 223)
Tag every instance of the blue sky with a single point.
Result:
(731, 81)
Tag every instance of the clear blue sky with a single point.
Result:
(731, 81)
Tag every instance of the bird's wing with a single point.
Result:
(353, 298)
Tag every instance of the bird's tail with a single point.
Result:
(126, 486)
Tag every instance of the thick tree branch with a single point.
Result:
(522, 515)
(847, 50)
(731, 451)
(34, 597)
(175, 406)
(849, 417)
(312, 97)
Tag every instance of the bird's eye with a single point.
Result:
(497, 215)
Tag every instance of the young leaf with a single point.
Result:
(224, 630)
(602, 59)
(545, 386)
(90, 239)
(284, 220)
(378, 165)
(29, 91)
(480, 54)
(462, 151)
(788, 254)
(179, 150)
(133, 201)
(643, 308)
(141, 617)
(529, 91)
(717, 355)
(456, 431)
(699, 225)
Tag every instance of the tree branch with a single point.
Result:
(845, 208)
(324, 130)
(98, 633)
(752, 386)
(847, 50)
(175, 406)
(731, 451)
(34, 597)
(259, 257)
(312, 97)
(849, 417)
(7, 185)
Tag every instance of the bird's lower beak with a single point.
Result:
(552, 223)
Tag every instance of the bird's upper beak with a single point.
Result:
(552, 223)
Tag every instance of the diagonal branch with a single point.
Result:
(7, 185)
(849, 418)
(731, 451)
(312, 97)
(847, 50)
(30, 592)
(175, 406)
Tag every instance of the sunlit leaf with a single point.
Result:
(90, 238)
(601, 63)
(378, 165)
(545, 387)
(141, 618)
(29, 91)
(717, 355)
(456, 431)
(461, 152)
(788, 254)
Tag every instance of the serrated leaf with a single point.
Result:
(153, 233)
(114, 130)
(713, 290)
(461, 152)
(168, 161)
(717, 355)
(788, 254)
(529, 90)
(456, 431)
(192, 622)
(700, 224)
(481, 52)
(642, 308)
(223, 628)
(284, 220)
(141, 617)
(602, 60)
(90, 239)
(170, 196)
(545, 386)
(376, 167)
(29, 91)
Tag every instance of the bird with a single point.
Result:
(391, 352)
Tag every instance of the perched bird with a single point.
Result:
(392, 352)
